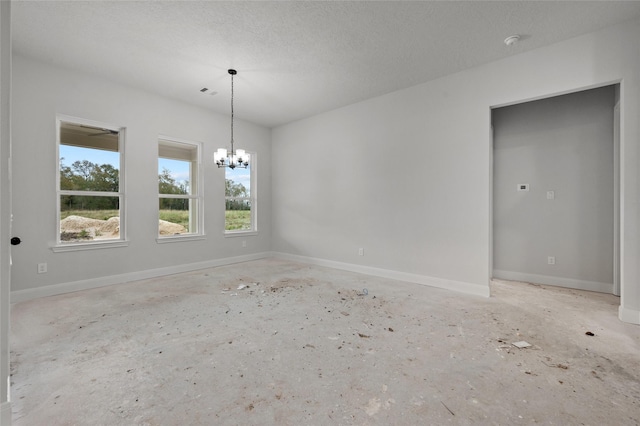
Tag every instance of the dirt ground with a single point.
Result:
(78, 228)
(273, 342)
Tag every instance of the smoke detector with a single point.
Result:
(511, 40)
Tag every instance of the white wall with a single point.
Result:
(5, 207)
(407, 176)
(41, 91)
(562, 144)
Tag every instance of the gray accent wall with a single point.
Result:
(562, 144)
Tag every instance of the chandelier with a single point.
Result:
(235, 158)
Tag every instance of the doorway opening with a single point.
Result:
(555, 191)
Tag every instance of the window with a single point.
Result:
(90, 182)
(179, 188)
(240, 199)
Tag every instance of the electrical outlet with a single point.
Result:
(360, 251)
(551, 260)
(551, 195)
(244, 243)
(42, 268)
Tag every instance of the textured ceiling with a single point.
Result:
(294, 59)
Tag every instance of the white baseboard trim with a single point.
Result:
(459, 286)
(629, 315)
(52, 290)
(5, 413)
(556, 281)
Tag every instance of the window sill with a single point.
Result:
(179, 238)
(89, 246)
(232, 234)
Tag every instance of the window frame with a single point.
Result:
(197, 194)
(252, 198)
(121, 241)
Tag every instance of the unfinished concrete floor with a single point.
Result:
(302, 344)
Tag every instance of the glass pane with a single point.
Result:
(88, 218)
(237, 215)
(238, 182)
(89, 169)
(177, 216)
(174, 176)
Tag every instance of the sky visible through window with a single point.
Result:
(179, 169)
(71, 154)
(242, 176)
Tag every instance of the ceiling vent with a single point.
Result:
(207, 91)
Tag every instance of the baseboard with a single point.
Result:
(629, 315)
(459, 286)
(555, 281)
(52, 290)
(5, 413)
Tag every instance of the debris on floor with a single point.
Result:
(588, 333)
(448, 409)
(561, 366)
(302, 344)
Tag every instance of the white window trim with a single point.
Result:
(59, 246)
(102, 244)
(253, 191)
(199, 196)
(239, 233)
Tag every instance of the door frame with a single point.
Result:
(616, 194)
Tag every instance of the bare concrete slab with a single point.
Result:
(273, 342)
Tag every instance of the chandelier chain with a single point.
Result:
(232, 114)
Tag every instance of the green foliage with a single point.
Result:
(237, 205)
(237, 220)
(232, 189)
(238, 210)
(168, 185)
(87, 176)
(234, 219)
(91, 214)
(181, 217)
(238, 190)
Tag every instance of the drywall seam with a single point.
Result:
(555, 281)
(462, 287)
(52, 290)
